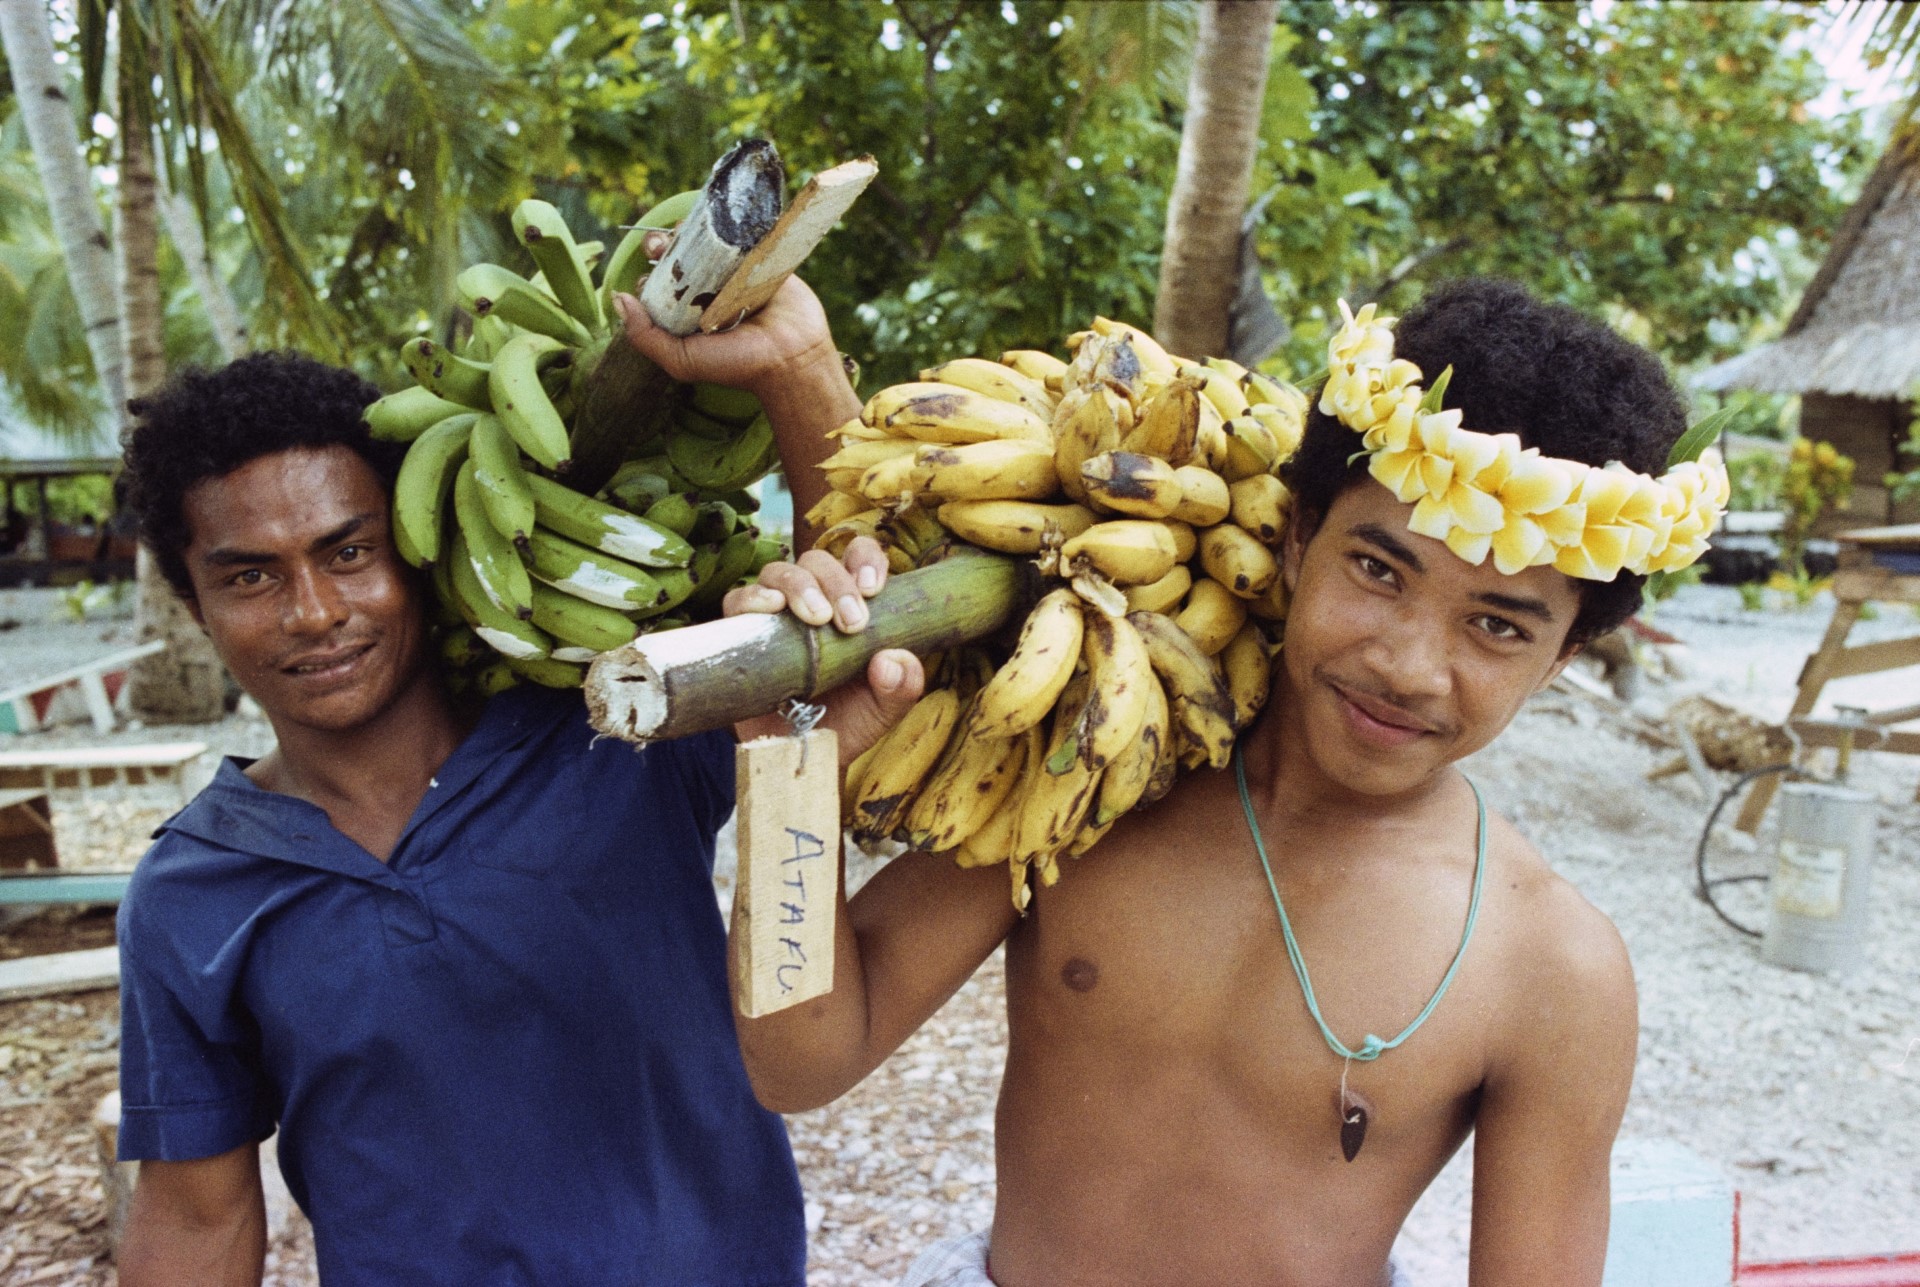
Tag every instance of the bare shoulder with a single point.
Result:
(1565, 970)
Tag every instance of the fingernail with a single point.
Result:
(768, 600)
(867, 579)
(623, 306)
(888, 673)
(853, 611)
(816, 607)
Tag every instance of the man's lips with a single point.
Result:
(1381, 720)
(327, 663)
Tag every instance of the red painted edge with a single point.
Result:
(1899, 1269)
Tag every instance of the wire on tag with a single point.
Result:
(801, 717)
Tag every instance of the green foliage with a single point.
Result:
(1753, 595)
(1817, 478)
(1636, 164)
(75, 500)
(1756, 477)
(1905, 485)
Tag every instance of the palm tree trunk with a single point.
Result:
(223, 313)
(185, 684)
(1199, 263)
(39, 87)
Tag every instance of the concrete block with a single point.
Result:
(1673, 1222)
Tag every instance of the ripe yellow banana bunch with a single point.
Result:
(536, 576)
(1146, 489)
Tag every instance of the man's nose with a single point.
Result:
(316, 604)
(1411, 660)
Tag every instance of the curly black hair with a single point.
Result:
(205, 424)
(1561, 380)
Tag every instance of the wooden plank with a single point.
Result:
(1868, 659)
(60, 972)
(787, 896)
(1861, 585)
(1815, 732)
(1899, 536)
(99, 665)
(155, 754)
(802, 225)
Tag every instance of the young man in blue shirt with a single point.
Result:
(470, 967)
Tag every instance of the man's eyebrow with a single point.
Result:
(1535, 608)
(1387, 541)
(227, 557)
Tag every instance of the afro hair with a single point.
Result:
(206, 424)
(1562, 381)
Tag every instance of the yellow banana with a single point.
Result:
(1036, 365)
(844, 467)
(992, 841)
(1260, 507)
(1125, 482)
(1013, 527)
(1249, 673)
(1025, 688)
(1251, 448)
(1126, 779)
(1271, 606)
(1198, 697)
(1154, 360)
(1163, 595)
(1204, 499)
(995, 381)
(1185, 540)
(1221, 389)
(1128, 551)
(1227, 367)
(1118, 676)
(966, 791)
(901, 761)
(1004, 470)
(1286, 423)
(1085, 424)
(1054, 804)
(833, 507)
(842, 534)
(893, 481)
(1210, 439)
(1169, 425)
(1235, 558)
(1212, 616)
(947, 413)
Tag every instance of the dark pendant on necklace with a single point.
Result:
(1353, 1129)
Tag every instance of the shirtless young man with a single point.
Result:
(1171, 1111)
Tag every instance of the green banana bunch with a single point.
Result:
(532, 577)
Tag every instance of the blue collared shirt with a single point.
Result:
(506, 1055)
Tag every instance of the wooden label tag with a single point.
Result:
(787, 893)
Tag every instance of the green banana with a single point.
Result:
(615, 531)
(462, 649)
(671, 210)
(545, 234)
(446, 374)
(676, 587)
(525, 410)
(506, 634)
(636, 489)
(502, 480)
(692, 420)
(404, 416)
(733, 465)
(734, 407)
(714, 521)
(629, 259)
(495, 562)
(548, 672)
(425, 478)
(675, 511)
(575, 622)
(491, 291)
(767, 550)
(731, 563)
(594, 576)
(403, 546)
(496, 679)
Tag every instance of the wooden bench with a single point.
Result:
(89, 767)
(90, 678)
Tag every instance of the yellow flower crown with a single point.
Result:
(1483, 493)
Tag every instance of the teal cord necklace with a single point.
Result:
(1353, 1117)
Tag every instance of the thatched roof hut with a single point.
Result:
(1852, 347)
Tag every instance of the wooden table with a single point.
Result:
(1877, 565)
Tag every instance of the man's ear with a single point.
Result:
(1293, 545)
(1567, 654)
